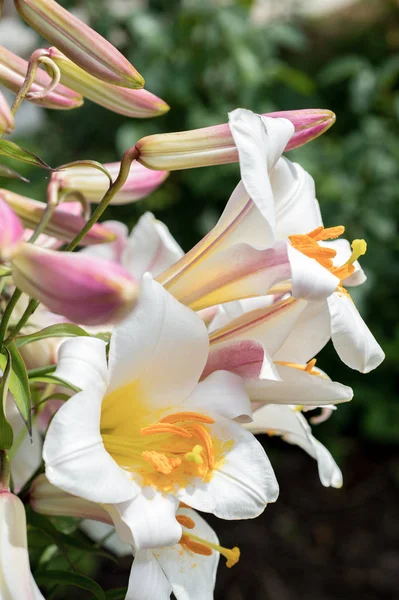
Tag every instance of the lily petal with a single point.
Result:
(308, 336)
(260, 142)
(192, 576)
(163, 343)
(298, 387)
(294, 429)
(223, 393)
(147, 580)
(151, 247)
(16, 580)
(234, 491)
(150, 518)
(310, 280)
(352, 339)
(75, 457)
(83, 363)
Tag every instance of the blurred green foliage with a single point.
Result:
(205, 59)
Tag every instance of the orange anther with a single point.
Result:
(201, 433)
(187, 416)
(194, 546)
(185, 521)
(161, 463)
(165, 428)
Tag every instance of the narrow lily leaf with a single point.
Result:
(5, 271)
(11, 174)
(6, 432)
(116, 594)
(69, 578)
(53, 331)
(55, 380)
(62, 540)
(19, 385)
(14, 151)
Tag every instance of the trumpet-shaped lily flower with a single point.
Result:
(187, 568)
(294, 215)
(239, 257)
(288, 422)
(144, 435)
(16, 581)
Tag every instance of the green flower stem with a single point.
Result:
(7, 314)
(4, 471)
(127, 159)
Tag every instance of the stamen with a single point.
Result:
(161, 463)
(330, 233)
(165, 428)
(359, 247)
(195, 455)
(187, 416)
(200, 432)
(310, 365)
(231, 555)
(194, 546)
(183, 505)
(185, 521)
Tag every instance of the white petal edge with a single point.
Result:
(82, 362)
(352, 339)
(147, 581)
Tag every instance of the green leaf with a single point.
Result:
(6, 432)
(60, 330)
(55, 380)
(116, 594)
(11, 174)
(69, 578)
(19, 385)
(87, 163)
(14, 151)
(62, 540)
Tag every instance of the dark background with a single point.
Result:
(206, 58)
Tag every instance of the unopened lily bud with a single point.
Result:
(86, 290)
(63, 225)
(6, 117)
(122, 100)
(47, 499)
(215, 145)
(79, 42)
(12, 74)
(11, 229)
(93, 183)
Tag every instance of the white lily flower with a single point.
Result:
(292, 426)
(144, 435)
(294, 214)
(241, 256)
(16, 580)
(186, 568)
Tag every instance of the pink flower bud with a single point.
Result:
(86, 290)
(64, 225)
(215, 145)
(12, 74)
(131, 103)
(79, 42)
(6, 116)
(11, 230)
(93, 183)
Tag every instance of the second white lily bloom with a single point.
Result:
(144, 435)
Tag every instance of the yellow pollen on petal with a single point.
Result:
(185, 521)
(192, 541)
(161, 463)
